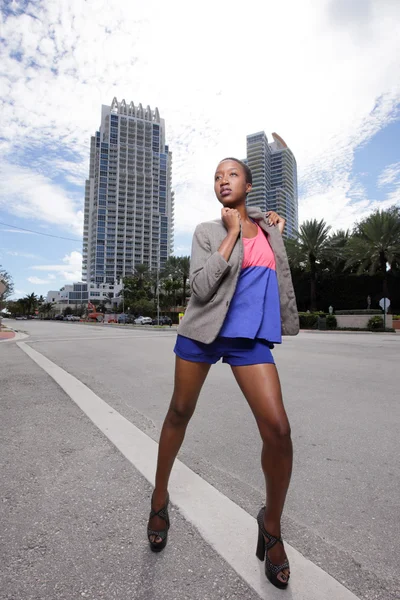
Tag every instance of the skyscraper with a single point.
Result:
(274, 170)
(129, 204)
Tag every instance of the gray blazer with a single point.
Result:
(213, 280)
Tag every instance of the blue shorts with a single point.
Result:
(236, 352)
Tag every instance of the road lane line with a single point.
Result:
(229, 529)
(106, 337)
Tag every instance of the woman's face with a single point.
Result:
(230, 183)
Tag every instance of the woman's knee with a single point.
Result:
(276, 431)
(179, 414)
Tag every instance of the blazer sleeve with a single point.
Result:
(207, 268)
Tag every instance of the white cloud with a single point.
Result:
(325, 75)
(69, 270)
(32, 195)
(21, 254)
(389, 175)
(37, 280)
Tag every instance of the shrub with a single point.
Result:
(331, 322)
(375, 323)
(308, 320)
(359, 311)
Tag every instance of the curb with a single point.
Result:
(13, 335)
(6, 335)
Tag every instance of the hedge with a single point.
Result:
(366, 311)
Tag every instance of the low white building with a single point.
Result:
(78, 294)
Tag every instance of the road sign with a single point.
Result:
(384, 303)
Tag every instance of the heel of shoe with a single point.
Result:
(260, 552)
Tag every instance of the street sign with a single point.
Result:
(384, 303)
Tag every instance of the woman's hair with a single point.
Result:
(246, 168)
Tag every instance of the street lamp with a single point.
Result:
(158, 294)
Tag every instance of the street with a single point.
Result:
(74, 507)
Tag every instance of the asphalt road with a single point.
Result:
(341, 392)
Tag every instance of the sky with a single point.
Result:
(323, 74)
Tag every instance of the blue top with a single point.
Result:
(254, 311)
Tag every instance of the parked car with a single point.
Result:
(143, 321)
(124, 318)
(59, 317)
(162, 321)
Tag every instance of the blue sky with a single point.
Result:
(325, 76)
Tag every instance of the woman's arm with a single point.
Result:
(208, 269)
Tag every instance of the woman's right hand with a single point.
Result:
(231, 219)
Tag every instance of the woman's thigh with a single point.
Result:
(262, 389)
(189, 379)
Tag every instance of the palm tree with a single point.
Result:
(141, 273)
(335, 253)
(31, 301)
(46, 308)
(170, 287)
(171, 268)
(307, 251)
(184, 267)
(178, 268)
(375, 244)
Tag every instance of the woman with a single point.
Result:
(242, 300)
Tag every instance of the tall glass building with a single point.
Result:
(129, 204)
(274, 170)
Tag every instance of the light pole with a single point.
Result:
(158, 294)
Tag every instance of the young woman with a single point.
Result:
(242, 300)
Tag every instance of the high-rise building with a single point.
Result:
(274, 170)
(129, 204)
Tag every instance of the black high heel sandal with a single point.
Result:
(271, 571)
(163, 534)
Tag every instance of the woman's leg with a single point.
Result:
(189, 379)
(262, 390)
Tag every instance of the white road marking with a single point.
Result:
(105, 337)
(229, 529)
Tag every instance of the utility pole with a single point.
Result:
(158, 293)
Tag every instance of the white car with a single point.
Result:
(143, 321)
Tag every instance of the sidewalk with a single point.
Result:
(74, 510)
(6, 335)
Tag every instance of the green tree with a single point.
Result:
(15, 307)
(335, 254)
(308, 250)
(6, 279)
(142, 274)
(31, 303)
(375, 244)
(177, 268)
(46, 308)
(184, 268)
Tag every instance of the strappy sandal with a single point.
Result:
(163, 514)
(271, 571)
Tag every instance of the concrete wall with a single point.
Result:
(360, 321)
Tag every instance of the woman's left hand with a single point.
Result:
(275, 219)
